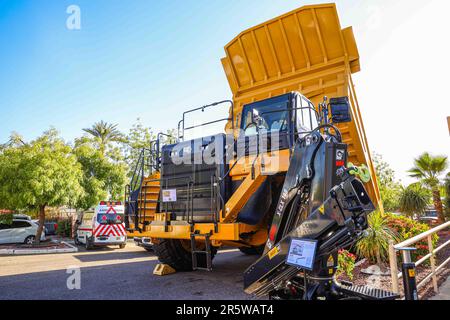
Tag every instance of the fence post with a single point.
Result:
(409, 275)
(393, 267)
(433, 263)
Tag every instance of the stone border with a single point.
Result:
(39, 251)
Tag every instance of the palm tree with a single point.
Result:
(428, 168)
(105, 133)
(414, 199)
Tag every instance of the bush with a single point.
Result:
(447, 195)
(407, 228)
(346, 263)
(375, 244)
(65, 228)
(414, 200)
(6, 218)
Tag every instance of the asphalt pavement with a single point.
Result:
(112, 273)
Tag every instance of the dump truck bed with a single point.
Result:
(305, 50)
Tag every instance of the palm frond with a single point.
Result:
(106, 132)
(428, 168)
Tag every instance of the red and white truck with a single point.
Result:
(104, 226)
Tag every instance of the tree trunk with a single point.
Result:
(41, 223)
(438, 204)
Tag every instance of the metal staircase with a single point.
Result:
(148, 199)
(142, 194)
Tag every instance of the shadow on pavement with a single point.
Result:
(133, 280)
(112, 256)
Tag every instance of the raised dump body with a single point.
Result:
(305, 50)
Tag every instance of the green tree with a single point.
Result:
(447, 195)
(138, 138)
(38, 174)
(15, 139)
(414, 199)
(102, 177)
(389, 188)
(428, 169)
(141, 138)
(104, 134)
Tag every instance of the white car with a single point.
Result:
(20, 231)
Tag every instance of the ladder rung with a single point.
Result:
(195, 252)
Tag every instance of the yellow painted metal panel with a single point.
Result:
(240, 197)
(304, 50)
(227, 231)
(288, 45)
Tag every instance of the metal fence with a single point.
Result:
(396, 275)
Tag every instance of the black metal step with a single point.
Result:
(207, 251)
(366, 292)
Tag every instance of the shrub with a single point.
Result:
(407, 228)
(6, 218)
(414, 199)
(447, 195)
(65, 228)
(346, 263)
(375, 244)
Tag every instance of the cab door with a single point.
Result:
(86, 226)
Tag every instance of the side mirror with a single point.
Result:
(340, 110)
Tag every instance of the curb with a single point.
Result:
(39, 251)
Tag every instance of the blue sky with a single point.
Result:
(155, 59)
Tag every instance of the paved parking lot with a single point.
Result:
(111, 273)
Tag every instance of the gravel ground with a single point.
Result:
(42, 245)
(384, 282)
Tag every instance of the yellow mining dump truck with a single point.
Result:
(291, 79)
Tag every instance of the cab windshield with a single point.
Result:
(270, 115)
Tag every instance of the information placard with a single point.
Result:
(302, 253)
(169, 195)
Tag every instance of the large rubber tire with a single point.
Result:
(173, 253)
(88, 245)
(77, 242)
(252, 251)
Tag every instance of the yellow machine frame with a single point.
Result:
(305, 50)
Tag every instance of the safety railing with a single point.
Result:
(163, 206)
(403, 246)
(187, 196)
(148, 163)
(181, 124)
